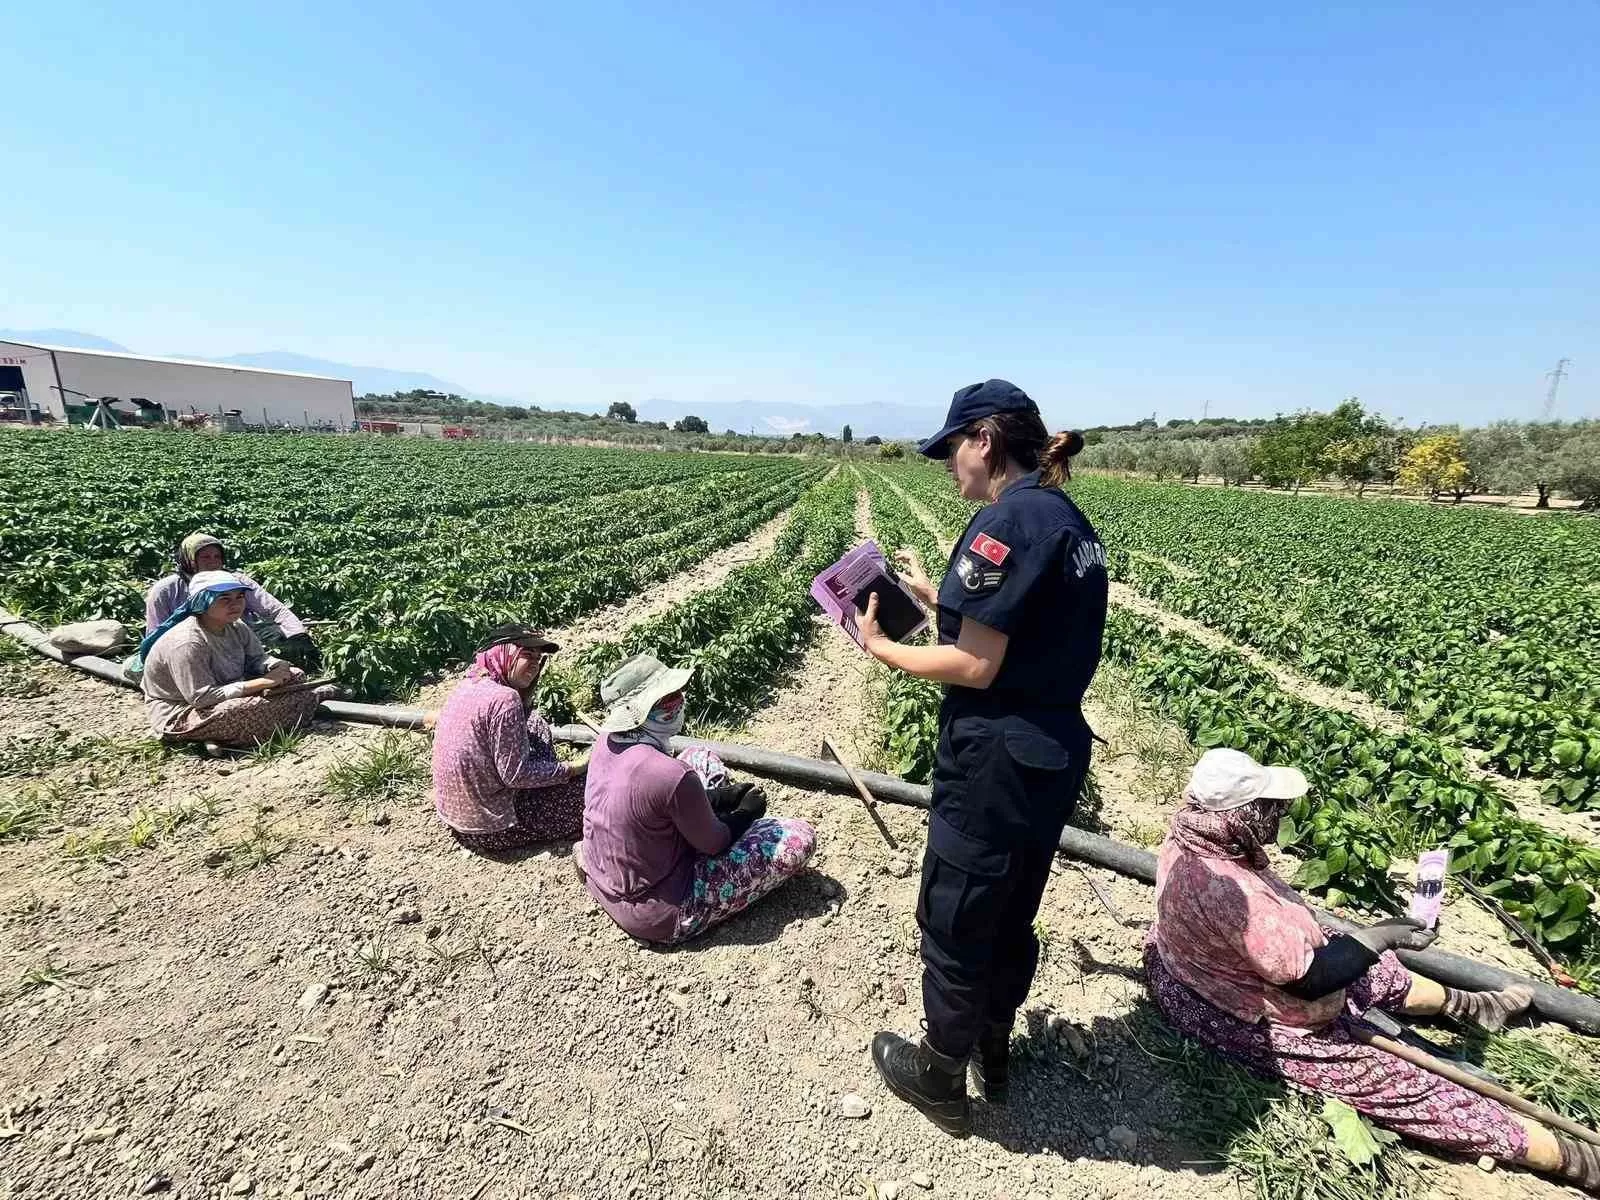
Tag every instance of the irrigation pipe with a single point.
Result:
(1571, 1008)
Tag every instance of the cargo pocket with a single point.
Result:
(1043, 769)
(964, 883)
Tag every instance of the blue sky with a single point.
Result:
(1150, 209)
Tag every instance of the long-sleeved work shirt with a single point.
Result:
(486, 750)
(190, 670)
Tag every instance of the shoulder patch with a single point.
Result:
(1087, 556)
(990, 548)
(978, 578)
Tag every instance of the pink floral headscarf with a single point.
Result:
(496, 663)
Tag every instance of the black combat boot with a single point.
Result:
(922, 1077)
(991, 1064)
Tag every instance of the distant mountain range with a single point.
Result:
(764, 418)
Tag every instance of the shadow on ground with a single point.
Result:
(1121, 1090)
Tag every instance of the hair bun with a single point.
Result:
(1072, 440)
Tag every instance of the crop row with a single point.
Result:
(1375, 795)
(739, 635)
(910, 723)
(1466, 627)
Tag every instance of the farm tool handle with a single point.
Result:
(1520, 932)
(1456, 1075)
(867, 801)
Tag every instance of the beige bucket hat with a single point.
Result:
(632, 690)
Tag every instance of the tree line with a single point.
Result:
(1359, 449)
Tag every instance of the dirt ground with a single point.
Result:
(282, 996)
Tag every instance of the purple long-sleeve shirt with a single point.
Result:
(646, 818)
(486, 749)
(168, 592)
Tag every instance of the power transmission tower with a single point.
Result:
(1555, 377)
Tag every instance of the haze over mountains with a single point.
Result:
(885, 420)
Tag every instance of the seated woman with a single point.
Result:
(670, 846)
(1237, 960)
(272, 621)
(496, 781)
(206, 677)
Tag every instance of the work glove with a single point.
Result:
(751, 808)
(302, 651)
(726, 797)
(1397, 933)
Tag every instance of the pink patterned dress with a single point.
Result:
(496, 780)
(1229, 934)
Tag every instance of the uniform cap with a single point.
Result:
(973, 403)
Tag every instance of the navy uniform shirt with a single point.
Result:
(1031, 566)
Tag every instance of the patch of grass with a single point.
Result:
(1041, 931)
(95, 845)
(148, 827)
(29, 811)
(21, 675)
(48, 974)
(375, 957)
(1277, 1138)
(32, 756)
(283, 743)
(36, 756)
(262, 844)
(1552, 1068)
(389, 767)
(1147, 835)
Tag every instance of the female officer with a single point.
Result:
(1021, 612)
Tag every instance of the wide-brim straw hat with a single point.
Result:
(634, 688)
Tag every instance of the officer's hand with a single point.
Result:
(911, 570)
(867, 625)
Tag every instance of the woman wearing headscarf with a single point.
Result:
(670, 846)
(1237, 960)
(273, 621)
(496, 781)
(206, 677)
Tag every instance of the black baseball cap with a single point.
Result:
(525, 636)
(973, 404)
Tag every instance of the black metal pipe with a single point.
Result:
(1580, 1011)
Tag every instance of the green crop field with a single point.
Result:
(1479, 630)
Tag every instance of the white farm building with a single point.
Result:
(46, 380)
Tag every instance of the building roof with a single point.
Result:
(176, 362)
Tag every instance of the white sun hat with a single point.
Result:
(216, 581)
(1225, 779)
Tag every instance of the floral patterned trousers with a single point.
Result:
(1392, 1092)
(250, 720)
(771, 852)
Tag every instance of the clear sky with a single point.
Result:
(1123, 208)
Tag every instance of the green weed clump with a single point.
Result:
(387, 768)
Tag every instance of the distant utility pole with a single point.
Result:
(1555, 377)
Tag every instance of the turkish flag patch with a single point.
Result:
(994, 551)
